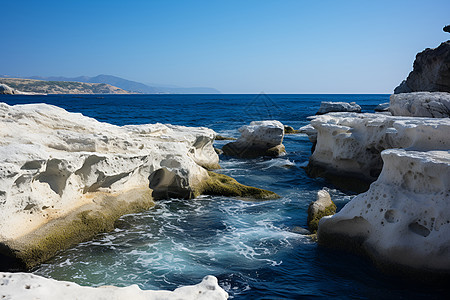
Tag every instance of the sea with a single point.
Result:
(252, 247)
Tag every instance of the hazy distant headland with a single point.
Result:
(118, 83)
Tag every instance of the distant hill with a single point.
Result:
(132, 86)
(60, 87)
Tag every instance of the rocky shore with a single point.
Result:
(402, 222)
(65, 177)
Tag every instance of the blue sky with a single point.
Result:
(235, 46)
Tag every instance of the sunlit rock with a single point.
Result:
(65, 177)
(22, 286)
(327, 107)
(431, 71)
(323, 206)
(421, 104)
(403, 221)
(349, 145)
(260, 138)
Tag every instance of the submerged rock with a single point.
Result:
(431, 71)
(349, 145)
(29, 286)
(323, 206)
(421, 104)
(260, 138)
(327, 107)
(403, 221)
(65, 177)
(223, 185)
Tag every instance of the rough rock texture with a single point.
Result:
(431, 71)
(327, 107)
(260, 138)
(421, 104)
(349, 144)
(403, 221)
(23, 286)
(323, 206)
(382, 107)
(65, 177)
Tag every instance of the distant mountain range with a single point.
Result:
(128, 85)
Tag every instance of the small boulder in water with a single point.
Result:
(382, 107)
(290, 130)
(260, 138)
(323, 206)
(327, 107)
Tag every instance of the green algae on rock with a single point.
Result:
(320, 208)
(223, 185)
(78, 226)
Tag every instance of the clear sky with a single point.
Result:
(235, 46)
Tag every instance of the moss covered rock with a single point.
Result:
(223, 185)
(77, 226)
(290, 130)
(323, 206)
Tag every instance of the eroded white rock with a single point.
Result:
(53, 162)
(260, 138)
(421, 104)
(404, 218)
(327, 107)
(350, 144)
(24, 286)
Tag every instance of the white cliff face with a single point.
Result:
(265, 133)
(52, 162)
(404, 218)
(327, 107)
(350, 144)
(421, 104)
(260, 138)
(25, 286)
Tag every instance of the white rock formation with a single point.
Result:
(421, 104)
(310, 131)
(323, 206)
(349, 144)
(62, 170)
(260, 138)
(382, 107)
(403, 220)
(327, 107)
(24, 286)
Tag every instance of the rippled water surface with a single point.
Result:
(250, 246)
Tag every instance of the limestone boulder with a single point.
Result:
(421, 104)
(65, 177)
(323, 206)
(349, 145)
(260, 138)
(327, 107)
(403, 221)
(382, 107)
(22, 286)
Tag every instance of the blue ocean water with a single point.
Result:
(248, 245)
